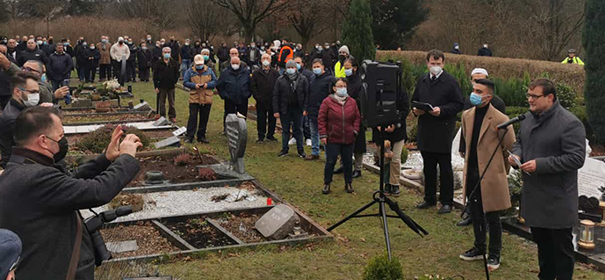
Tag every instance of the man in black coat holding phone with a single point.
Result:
(437, 128)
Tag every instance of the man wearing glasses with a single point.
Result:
(10, 252)
(551, 147)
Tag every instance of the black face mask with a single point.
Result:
(63, 148)
(342, 57)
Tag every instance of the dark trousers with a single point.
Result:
(346, 154)
(262, 114)
(232, 108)
(131, 72)
(56, 84)
(306, 128)
(144, 74)
(555, 253)
(444, 160)
(293, 117)
(116, 66)
(105, 71)
(4, 99)
(90, 73)
(80, 71)
(204, 114)
(167, 93)
(479, 226)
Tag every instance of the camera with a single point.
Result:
(94, 223)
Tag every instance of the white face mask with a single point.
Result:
(266, 63)
(435, 70)
(235, 66)
(32, 100)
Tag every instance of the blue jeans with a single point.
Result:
(314, 136)
(293, 115)
(185, 64)
(346, 155)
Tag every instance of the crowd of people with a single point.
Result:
(317, 98)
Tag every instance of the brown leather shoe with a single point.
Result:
(173, 120)
(312, 157)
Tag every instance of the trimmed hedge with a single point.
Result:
(504, 68)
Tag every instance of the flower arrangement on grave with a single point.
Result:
(108, 89)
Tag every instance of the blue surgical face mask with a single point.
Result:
(297, 66)
(206, 58)
(199, 67)
(43, 78)
(349, 72)
(291, 71)
(166, 55)
(342, 92)
(317, 71)
(475, 99)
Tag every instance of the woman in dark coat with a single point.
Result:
(355, 89)
(338, 123)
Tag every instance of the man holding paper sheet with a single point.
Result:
(437, 128)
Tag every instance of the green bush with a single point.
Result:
(98, 140)
(566, 96)
(404, 155)
(413, 132)
(380, 268)
(580, 112)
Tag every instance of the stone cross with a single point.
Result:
(237, 137)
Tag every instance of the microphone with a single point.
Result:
(511, 121)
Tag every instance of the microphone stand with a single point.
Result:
(482, 227)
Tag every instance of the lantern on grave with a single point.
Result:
(586, 235)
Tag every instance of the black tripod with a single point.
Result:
(484, 225)
(380, 198)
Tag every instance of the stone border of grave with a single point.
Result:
(322, 235)
(109, 122)
(165, 152)
(145, 113)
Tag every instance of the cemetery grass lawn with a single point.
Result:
(299, 182)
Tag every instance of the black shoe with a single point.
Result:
(302, 154)
(395, 190)
(465, 221)
(493, 263)
(203, 140)
(356, 174)
(387, 189)
(349, 188)
(340, 170)
(282, 153)
(472, 255)
(445, 209)
(425, 205)
(271, 139)
(259, 141)
(326, 189)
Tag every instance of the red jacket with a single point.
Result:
(338, 122)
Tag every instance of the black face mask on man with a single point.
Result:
(63, 148)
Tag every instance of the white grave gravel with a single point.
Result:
(170, 203)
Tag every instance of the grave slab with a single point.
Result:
(278, 222)
(122, 246)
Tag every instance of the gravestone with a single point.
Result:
(591, 177)
(81, 103)
(278, 222)
(161, 121)
(143, 106)
(122, 246)
(237, 137)
(171, 141)
(180, 131)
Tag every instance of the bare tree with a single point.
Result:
(306, 18)
(207, 19)
(251, 12)
(159, 14)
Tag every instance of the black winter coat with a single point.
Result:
(157, 54)
(60, 67)
(484, 52)
(234, 85)
(133, 52)
(7, 129)
(36, 54)
(319, 89)
(355, 89)
(5, 80)
(223, 54)
(186, 52)
(283, 89)
(144, 58)
(40, 201)
(261, 86)
(165, 76)
(91, 58)
(435, 134)
(175, 50)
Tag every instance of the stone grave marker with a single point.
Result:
(180, 131)
(278, 222)
(122, 246)
(237, 137)
(168, 142)
(143, 106)
(161, 121)
(591, 177)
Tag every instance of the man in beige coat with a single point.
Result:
(491, 196)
